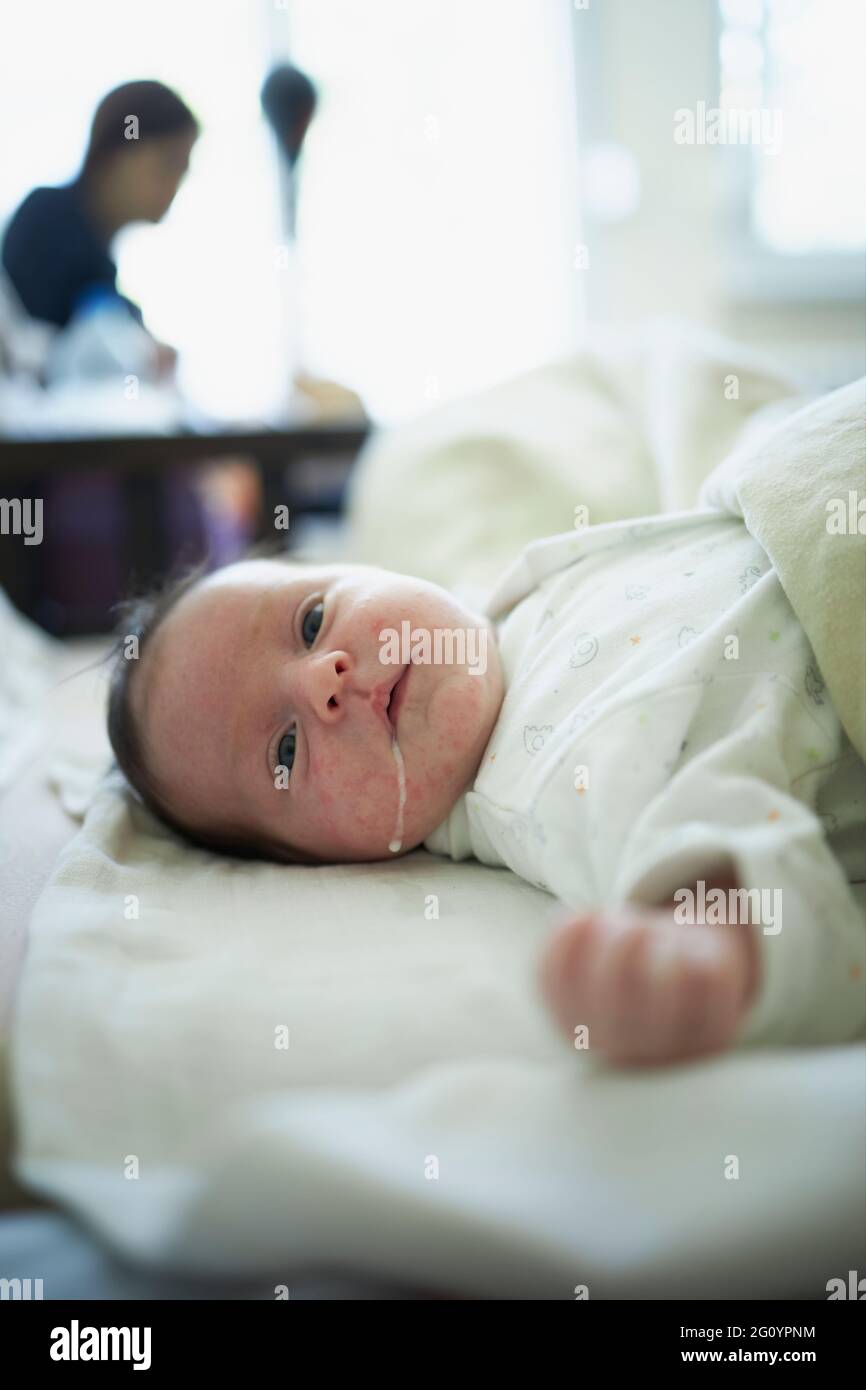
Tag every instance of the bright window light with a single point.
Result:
(803, 58)
(437, 204)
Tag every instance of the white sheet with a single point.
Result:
(27, 669)
(410, 1040)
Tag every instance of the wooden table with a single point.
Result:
(141, 461)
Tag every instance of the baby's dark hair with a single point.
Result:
(139, 620)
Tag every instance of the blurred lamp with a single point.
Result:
(289, 102)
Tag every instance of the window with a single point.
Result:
(798, 193)
(437, 211)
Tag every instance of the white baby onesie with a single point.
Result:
(665, 718)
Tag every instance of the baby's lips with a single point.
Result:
(382, 694)
(398, 695)
(380, 697)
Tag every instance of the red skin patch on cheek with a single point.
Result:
(324, 781)
(328, 825)
(375, 801)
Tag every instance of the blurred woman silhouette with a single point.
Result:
(57, 255)
(56, 251)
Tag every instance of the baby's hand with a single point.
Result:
(647, 988)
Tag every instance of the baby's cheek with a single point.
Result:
(459, 708)
(357, 808)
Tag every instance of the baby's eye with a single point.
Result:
(311, 624)
(286, 750)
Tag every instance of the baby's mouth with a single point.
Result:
(395, 700)
(386, 701)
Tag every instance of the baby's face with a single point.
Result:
(267, 665)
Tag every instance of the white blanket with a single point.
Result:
(665, 717)
(629, 426)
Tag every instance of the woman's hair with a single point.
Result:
(158, 110)
(140, 619)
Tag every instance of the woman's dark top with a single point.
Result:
(54, 255)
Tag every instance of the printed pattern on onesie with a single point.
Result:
(642, 651)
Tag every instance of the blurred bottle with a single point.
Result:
(103, 339)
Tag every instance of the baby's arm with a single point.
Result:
(647, 988)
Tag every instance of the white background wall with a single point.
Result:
(438, 200)
(637, 64)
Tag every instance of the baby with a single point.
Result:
(591, 730)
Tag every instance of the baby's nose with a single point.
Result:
(329, 678)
